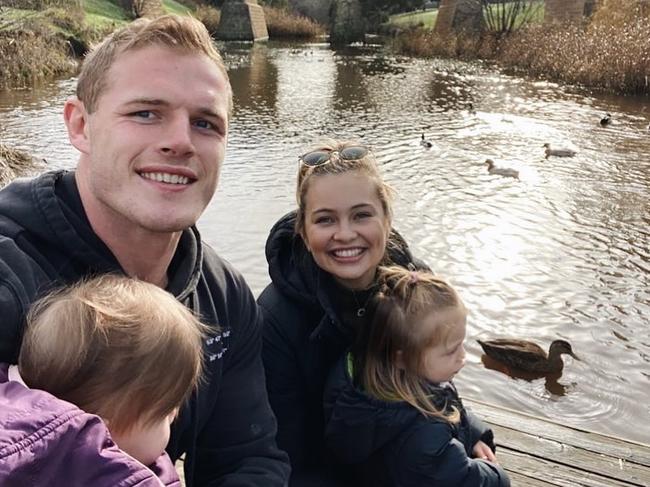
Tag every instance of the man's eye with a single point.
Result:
(146, 114)
(204, 124)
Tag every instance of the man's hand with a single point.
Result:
(484, 452)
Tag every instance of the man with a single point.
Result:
(150, 121)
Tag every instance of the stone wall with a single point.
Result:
(459, 15)
(318, 10)
(568, 10)
(142, 8)
(242, 20)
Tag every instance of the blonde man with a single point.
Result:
(99, 349)
(150, 121)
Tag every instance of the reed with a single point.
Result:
(609, 52)
(14, 163)
(284, 24)
(209, 16)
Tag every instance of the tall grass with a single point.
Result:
(609, 52)
(281, 23)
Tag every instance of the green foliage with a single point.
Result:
(174, 7)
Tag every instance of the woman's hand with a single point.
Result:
(484, 452)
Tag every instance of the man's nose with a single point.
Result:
(176, 140)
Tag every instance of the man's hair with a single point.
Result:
(405, 298)
(182, 33)
(123, 349)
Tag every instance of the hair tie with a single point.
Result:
(414, 277)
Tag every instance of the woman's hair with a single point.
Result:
(404, 300)
(120, 348)
(367, 165)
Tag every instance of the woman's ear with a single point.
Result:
(76, 121)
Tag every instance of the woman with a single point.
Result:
(322, 261)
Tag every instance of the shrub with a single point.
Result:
(282, 23)
(210, 17)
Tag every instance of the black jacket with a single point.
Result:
(304, 334)
(226, 429)
(393, 444)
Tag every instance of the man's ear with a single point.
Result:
(76, 121)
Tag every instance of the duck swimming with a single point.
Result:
(526, 355)
(501, 171)
(606, 120)
(425, 143)
(558, 152)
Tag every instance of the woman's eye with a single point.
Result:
(323, 220)
(363, 214)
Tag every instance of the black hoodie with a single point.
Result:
(304, 333)
(226, 429)
(393, 444)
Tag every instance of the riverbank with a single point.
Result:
(15, 163)
(45, 39)
(610, 52)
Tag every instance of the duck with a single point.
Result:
(425, 143)
(501, 171)
(558, 152)
(526, 355)
(606, 120)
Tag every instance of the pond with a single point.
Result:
(563, 252)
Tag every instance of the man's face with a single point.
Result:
(156, 141)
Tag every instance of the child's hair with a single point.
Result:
(183, 33)
(405, 298)
(123, 349)
(366, 165)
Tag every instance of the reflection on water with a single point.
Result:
(562, 253)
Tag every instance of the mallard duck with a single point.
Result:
(558, 152)
(501, 171)
(425, 143)
(526, 355)
(606, 120)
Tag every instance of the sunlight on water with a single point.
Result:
(563, 252)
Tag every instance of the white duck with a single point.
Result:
(425, 143)
(558, 152)
(501, 171)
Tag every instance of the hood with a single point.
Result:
(294, 271)
(45, 217)
(291, 266)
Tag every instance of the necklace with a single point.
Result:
(361, 308)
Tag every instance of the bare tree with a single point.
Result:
(502, 17)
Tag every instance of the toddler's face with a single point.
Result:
(441, 362)
(145, 443)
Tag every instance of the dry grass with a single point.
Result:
(283, 24)
(32, 56)
(610, 52)
(210, 17)
(14, 163)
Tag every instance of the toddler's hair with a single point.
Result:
(405, 298)
(117, 347)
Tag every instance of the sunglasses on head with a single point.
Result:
(323, 156)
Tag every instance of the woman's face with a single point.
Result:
(346, 228)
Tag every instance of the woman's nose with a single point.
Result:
(345, 231)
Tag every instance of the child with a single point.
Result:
(390, 406)
(112, 348)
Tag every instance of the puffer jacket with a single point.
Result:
(304, 333)
(392, 444)
(45, 441)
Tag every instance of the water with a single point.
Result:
(561, 253)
